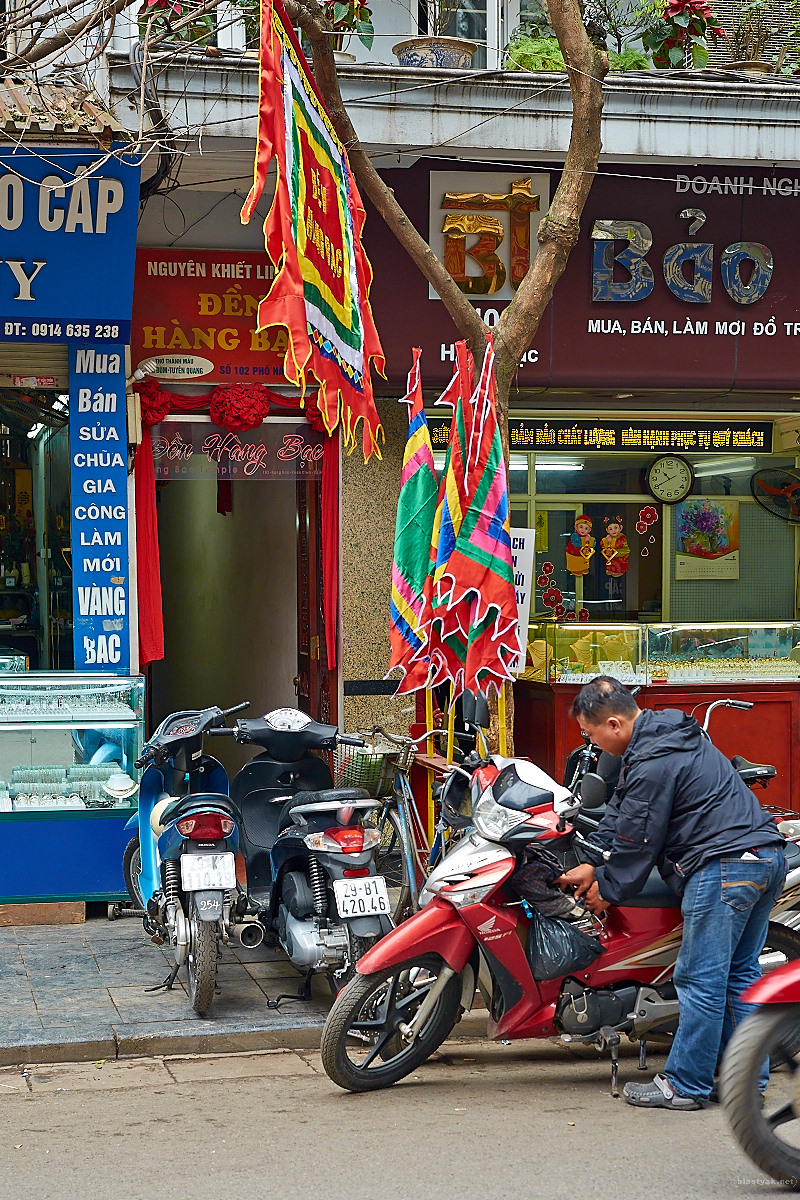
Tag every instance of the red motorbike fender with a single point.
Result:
(781, 986)
(435, 929)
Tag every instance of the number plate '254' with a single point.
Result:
(207, 872)
(361, 897)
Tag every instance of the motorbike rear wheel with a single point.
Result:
(362, 1047)
(132, 869)
(772, 1031)
(201, 963)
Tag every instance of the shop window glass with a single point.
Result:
(604, 567)
(35, 544)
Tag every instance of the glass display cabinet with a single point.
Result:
(664, 653)
(576, 652)
(709, 653)
(68, 742)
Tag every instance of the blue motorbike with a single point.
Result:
(180, 866)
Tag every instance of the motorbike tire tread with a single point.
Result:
(203, 978)
(347, 1005)
(741, 1097)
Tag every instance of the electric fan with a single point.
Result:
(777, 490)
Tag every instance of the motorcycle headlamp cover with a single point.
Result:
(493, 821)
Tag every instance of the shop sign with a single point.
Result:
(99, 499)
(695, 437)
(523, 542)
(195, 314)
(676, 282)
(67, 238)
(277, 449)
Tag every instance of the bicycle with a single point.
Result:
(404, 856)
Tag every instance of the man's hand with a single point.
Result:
(580, 878)
(594, 901)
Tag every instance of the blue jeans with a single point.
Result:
(726, 909)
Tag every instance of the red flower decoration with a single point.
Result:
(641, 527)
(313, 414)
(559, 610)
(542, 581)
(548, 569)
(156, 404)
(552, 597)
(648, 515)
(238, 406)
(645, 552)
(583, 614)
(570, 616)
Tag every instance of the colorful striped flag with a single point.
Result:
(415, 511)
(473, 613)
(313, 237)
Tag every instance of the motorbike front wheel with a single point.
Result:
(362, 1046)
(771, 1031)
(132, 869)
(201, 963)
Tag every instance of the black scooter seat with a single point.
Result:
(342, 796)
(750, 771)
(656, 893)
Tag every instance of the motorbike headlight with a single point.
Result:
(492, 821)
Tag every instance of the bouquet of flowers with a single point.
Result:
(703, 527)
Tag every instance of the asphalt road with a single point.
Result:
(480, 1120)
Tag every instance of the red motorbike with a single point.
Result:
(768, 1131)
(473, 934)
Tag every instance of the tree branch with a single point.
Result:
(311, 19)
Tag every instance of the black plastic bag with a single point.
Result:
(534, 880)
(556, 948)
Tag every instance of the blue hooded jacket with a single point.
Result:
(678, 804)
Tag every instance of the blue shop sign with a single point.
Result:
(67, 244)
(101, 590)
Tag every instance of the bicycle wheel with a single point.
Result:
(390, 861)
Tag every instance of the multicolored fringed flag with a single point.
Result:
(415, 511)
(473, 614)
(313, 237)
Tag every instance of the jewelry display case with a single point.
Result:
(758, 652)
(68, 742)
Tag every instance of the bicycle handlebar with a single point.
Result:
(224, 730)
(346, 739)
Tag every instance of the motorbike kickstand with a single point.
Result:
(643, 1054)
(167, 983)
(609, 1037)
(304, 992)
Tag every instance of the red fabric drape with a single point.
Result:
(242, 409)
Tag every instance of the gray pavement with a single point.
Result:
(80, 992)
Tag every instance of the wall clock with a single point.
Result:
(669, 478)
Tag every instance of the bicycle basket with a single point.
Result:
(370, 768)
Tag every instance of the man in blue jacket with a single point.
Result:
(680, 806)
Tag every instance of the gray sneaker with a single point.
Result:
(658, 1094)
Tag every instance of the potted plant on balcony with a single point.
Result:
(437, 47)
(346, 19)
(166, 22)
(680, 32)
(753, 25)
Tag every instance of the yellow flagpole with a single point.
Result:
(429, 746)
(451, 725)
(501, 717)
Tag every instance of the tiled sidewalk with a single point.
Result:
(78, 992)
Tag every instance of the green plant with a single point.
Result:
(350, 17)
(630, 59)
(162, 17)
(620, 22)
(531, 53)
(753, 24)
(680, 29)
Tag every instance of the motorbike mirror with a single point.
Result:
(593, 791)
(474, 709)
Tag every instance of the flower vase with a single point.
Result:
(25, 574)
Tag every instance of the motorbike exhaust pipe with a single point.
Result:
(251, 934)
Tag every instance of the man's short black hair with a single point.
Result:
(603, 697)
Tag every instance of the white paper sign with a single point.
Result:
(523, 542)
